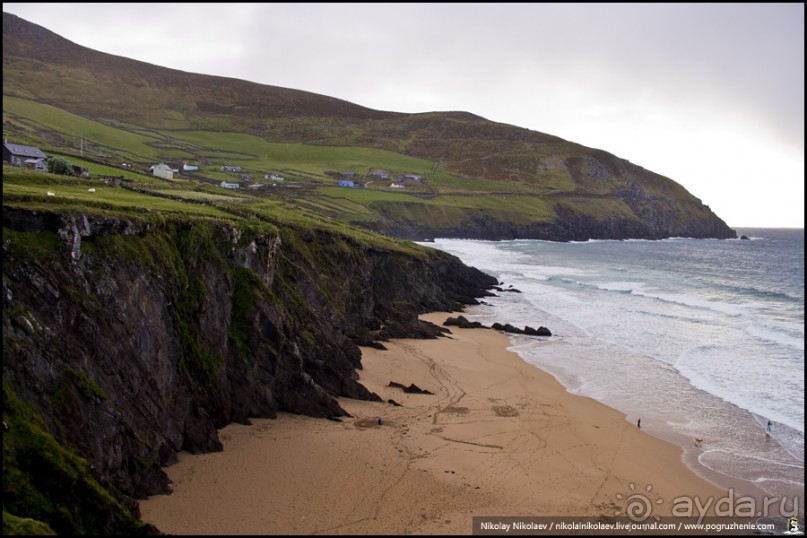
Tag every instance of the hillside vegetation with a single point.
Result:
(475, 178)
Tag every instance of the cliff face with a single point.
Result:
(136, 339)
(607, 198)
(657, 222)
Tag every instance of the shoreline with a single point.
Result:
(690, 451)
(497, 437)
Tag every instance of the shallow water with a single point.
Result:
(701, 338)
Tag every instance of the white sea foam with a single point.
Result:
(705, 337)
(777, 335)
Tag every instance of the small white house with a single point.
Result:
(228, 185)
(189, 167)
(274, 177)
(162, 170)
(397, 185)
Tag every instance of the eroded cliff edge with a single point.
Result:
(135, 338)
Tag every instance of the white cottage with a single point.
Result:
(162, 170)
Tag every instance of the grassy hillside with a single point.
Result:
(103, 147)
(475, 178)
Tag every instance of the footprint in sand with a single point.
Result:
(505, 411)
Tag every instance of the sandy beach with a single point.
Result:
(497, 437)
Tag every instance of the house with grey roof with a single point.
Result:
(18, 155)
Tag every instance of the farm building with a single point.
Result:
(18, 154)
(162, 170)
(80, 171)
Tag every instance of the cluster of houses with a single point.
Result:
(165, 171)
(33, 157)
(347, 179)
(247, 177)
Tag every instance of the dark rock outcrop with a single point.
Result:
(529, 331)
(463, 323)
(135, 339)
(510, 289)
(411, 389)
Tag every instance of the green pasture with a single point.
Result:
(28, 189)
(257, 153)
(322, 203)
(33, 116)
(95, 169)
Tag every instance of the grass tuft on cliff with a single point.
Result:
(44, 482)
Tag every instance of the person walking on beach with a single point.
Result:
(770, 426)
(639, 423)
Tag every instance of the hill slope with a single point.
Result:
(574, 192)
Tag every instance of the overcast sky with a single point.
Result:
(710, 95)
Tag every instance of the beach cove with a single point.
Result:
(497, 437)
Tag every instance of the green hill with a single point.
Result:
(476, 178)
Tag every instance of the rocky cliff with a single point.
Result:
(607, 198)
(132, 339)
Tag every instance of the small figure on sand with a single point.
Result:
(770, 427)
(379, 421)
(639, 423)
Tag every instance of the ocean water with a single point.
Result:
(701, 339)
